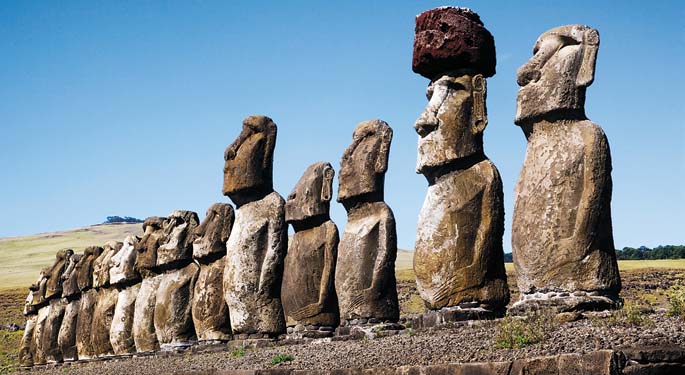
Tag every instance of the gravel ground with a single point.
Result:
(468, 343)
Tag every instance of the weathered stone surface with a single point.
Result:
(39, 347)
(84, 268)
(26, 347)
(153, 235)
(143, 328)
(179, 234)
(458, 258)
(365, 271)
(106, 300)
(248, 160)
(121, 330)
(210, 312)
(51, 328)
(66, 339)
(124, 276)
(70, 287)
(67, 332)
(452, 38)
(54, 285)
(144, 334)
(173, 318)
(103, 263)
(308, 291)
(103, 314)
(258, 240)
(211, 235)
(84, 323)
(561, 234)
(122, 264)
(38, 289)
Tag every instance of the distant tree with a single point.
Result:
(659, 252)
(119, 219)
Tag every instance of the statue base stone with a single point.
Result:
(368, 328)
(176, 346)
(448, 315)
(301, 331)
(561, 302)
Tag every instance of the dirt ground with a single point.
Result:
(645, 288)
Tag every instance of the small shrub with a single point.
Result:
(281, 358)
(519, 332)
(238, 353)
(630, 313)
(676, 302)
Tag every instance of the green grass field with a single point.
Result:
(21, 258)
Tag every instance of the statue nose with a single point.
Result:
(527, 74)
(425, 128)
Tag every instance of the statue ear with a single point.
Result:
(480, 115)
(270, 144)
(327, 184)
(590, 45)
(384, 149)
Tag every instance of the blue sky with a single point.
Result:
(125, 108)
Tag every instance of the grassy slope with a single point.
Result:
(21, 258)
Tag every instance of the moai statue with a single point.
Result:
(561, 234)
(259, 238)
(458, 256)
(308, 291)
(53, 294)
(126, 279)
(210, 312)
(27, 347)
(84, 321)
(71, 295)
(365, 271)
(42, 307)
(144, 334)
(106, 300)
(173, 319)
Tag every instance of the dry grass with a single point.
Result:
(21, 258)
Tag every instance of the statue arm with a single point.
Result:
(385, 262)
(387, 253)
(488, 201)
(272, 265)
(596, 181)
(327, 276)
(330, 256)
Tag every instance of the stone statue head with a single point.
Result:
(211, 235)
(54, 285)
(179, 234)
(249, 159)
(456, 52)
(70, 277)
(84, 268)
(553, 82)
(102, 264)
(365, 161)
(311, 196)
(153, 234)
(122, 267)
(29, 308)
(451, 126)
(38, 288)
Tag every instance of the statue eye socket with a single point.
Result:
(454, 85)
